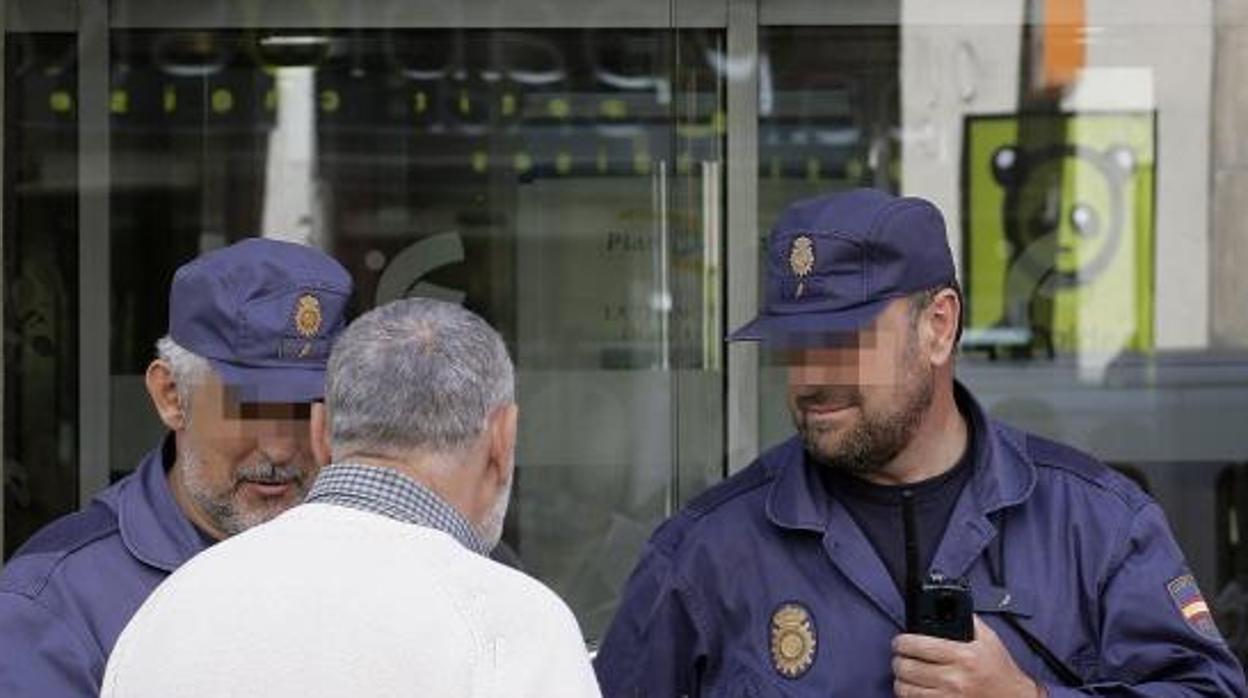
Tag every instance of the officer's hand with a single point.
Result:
(929, 667)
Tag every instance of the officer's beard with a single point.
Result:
(227, 513)
(878, 437)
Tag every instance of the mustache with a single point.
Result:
(828, 395)
(269, 473)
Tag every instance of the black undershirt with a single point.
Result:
(877, 509)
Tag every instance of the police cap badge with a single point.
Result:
(308, 315)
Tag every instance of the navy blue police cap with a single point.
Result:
(264, 313)
(834, 262)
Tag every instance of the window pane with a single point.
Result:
(40, 282)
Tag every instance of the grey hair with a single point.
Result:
(415, 375)
(188, 368)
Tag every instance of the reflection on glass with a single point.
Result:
(1058, 245)
(828, 112)
(40, 282)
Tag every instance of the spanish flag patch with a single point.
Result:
(1192, 606)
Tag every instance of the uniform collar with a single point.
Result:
(1003, 475)
(153, 527)
(796, 500)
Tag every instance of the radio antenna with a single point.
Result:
(913, 585)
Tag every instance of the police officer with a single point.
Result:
(787, 578)
(250, 329)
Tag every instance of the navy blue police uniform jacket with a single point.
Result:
(66, 595)
(765, 586)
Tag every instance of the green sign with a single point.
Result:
(1058, 231)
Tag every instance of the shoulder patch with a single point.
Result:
(1192, 607)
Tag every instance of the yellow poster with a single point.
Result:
(1058, 232)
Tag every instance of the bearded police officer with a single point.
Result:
(787, 579)
(250, 329)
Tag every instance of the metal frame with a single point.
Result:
(94, 233)
(395, 14)
(839, 12)
(40, 16)
(741, 287)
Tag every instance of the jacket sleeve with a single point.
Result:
(42, 655)
(655, 645)
(1147, 644)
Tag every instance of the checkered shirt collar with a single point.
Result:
(390, 493)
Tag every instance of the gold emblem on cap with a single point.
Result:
(802, 261)
(308, 315)
(792, 640)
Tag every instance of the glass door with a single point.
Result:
(555, 167)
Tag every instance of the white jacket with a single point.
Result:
(331, 601)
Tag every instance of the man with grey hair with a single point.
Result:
(379, 584)
(250, 327)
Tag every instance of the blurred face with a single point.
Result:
(858, 404)
(241, 464)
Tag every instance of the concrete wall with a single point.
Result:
(957, 58)
(1229, 237)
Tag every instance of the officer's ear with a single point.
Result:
(939, 326)
(163, 390)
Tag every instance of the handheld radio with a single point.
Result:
(936, 606)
